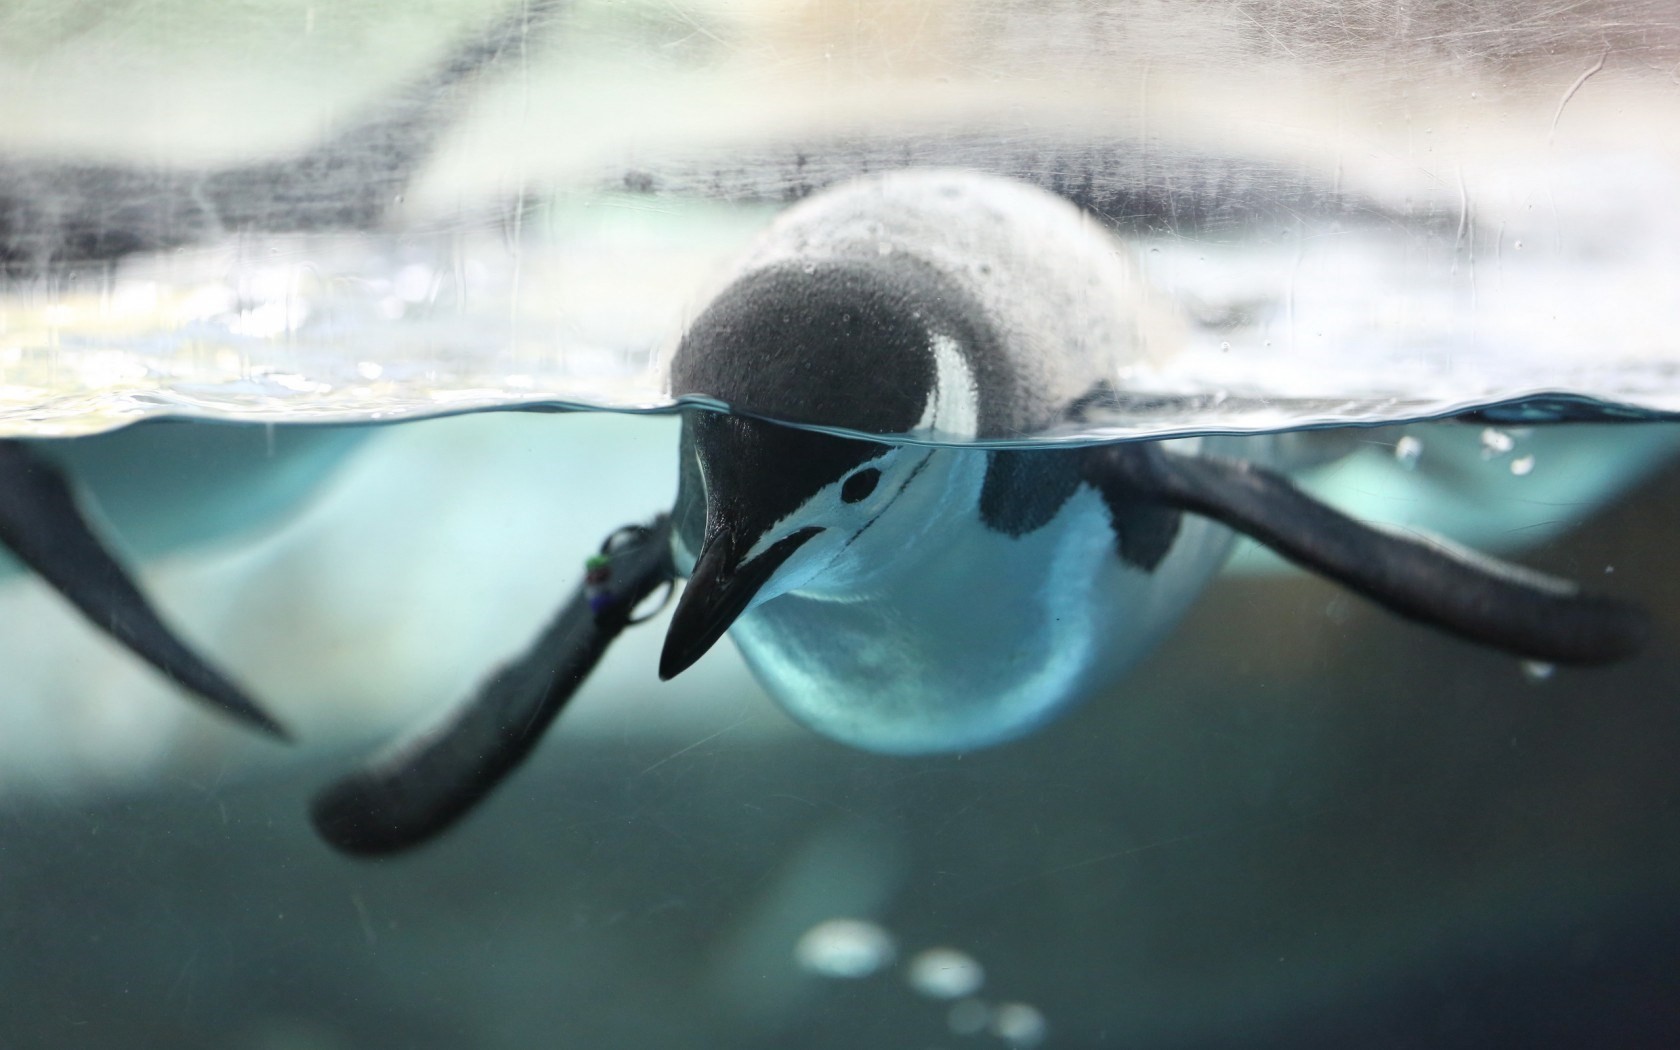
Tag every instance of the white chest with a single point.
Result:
(974, 637)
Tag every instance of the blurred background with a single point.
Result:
(1301, 823)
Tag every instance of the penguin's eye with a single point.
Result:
(860, 485)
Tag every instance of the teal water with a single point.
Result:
(1301, 822)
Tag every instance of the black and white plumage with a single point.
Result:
(911, 597)
(949, 306)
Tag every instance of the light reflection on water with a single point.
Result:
(1368, 327)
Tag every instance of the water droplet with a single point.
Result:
(1522, 465)
(1496, 443)
(945, 973)
(1407, 451)
(1518, 245)
(1019, 1024)
(1537, 671)
(846, 948)
(969, 1017)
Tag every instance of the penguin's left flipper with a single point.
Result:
(41, 524)
(418, 788)
(1421, 578)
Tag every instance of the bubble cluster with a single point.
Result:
(852, 949)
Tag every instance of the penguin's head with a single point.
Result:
(764, 508)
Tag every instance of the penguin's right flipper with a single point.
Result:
(418, 788)
(1476, 597)
(41, 524)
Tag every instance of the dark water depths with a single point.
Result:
(1301, 823)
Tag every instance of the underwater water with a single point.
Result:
(295, 294)
(1300, 822)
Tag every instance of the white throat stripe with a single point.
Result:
(953, 408)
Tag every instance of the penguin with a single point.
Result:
(855, 506)
(959, 308)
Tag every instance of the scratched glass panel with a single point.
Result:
(354, 213)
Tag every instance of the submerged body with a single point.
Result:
(966, 637)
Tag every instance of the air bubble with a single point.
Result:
(1496, 443)
(945, 973)
(1225, 347)
(1019, 1025)
(1407, 451)
(1537, 671)
(845, 948)
(1522, 466)
(809, 267)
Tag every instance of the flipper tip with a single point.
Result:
(347, 819)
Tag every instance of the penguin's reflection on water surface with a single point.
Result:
(917, 597)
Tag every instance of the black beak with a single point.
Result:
(718, 591)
